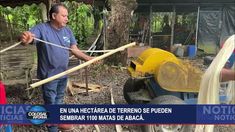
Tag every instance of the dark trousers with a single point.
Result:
(53, 93)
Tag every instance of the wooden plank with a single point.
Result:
(83, 85)
(77, 88)
(79, 91)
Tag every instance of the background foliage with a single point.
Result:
(81, 21)
(18, 19)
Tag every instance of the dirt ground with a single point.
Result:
(105, 76)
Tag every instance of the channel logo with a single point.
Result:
(37, 115)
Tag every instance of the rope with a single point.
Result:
(10, 47)
(59, 46)
(53, 44)
(96, 51)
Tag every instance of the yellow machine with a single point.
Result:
(150, 61)
(158, 77)
(157, 72)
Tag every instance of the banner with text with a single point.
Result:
(117, 114)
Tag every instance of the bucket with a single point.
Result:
(191, 51)
(180, 51)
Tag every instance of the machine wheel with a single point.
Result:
(132, 85)
(167, 99)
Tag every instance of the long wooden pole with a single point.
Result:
(80, 66)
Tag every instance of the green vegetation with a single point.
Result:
(21, 18)
(18, 19)
(81, 21)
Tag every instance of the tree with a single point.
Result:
(118, 28)
(43, 12)
(81, 21)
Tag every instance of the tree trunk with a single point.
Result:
(97, 18)
(118, 29)
(43, 12)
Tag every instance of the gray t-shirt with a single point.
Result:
(52, 60)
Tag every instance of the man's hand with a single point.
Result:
(227, 75)
(98, 62)
(26, 37)
(88, 58)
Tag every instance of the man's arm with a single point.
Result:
(79, 54)
(227, 75)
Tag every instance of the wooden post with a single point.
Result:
(80, 66)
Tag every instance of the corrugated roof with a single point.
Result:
(185, 1)
(14, 3)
